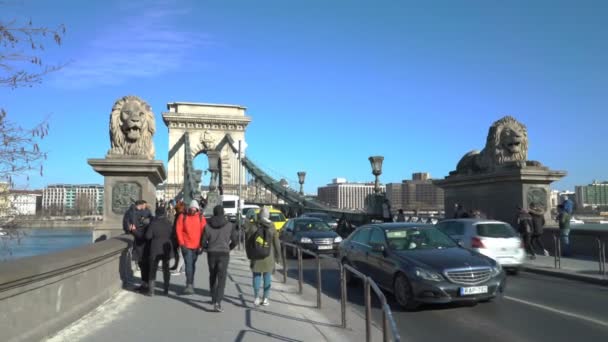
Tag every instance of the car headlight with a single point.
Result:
(496, 269)
(338, 239)
(428, 275)
(305, 240)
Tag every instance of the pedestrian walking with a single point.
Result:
(400, 216)
(219, 238)
(524, 222)
(139, 222)
(563, 220)
(538, 222)
(178, 265)
(263, 248)
(189, 230)
(161, 249)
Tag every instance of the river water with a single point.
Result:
(40, 241)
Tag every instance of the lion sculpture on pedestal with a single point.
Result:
(506, 145)
(131, 128)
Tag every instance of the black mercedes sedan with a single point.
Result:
(420, 264)
(312, 234)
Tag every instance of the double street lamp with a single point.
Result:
(301, 178)
(376, 162)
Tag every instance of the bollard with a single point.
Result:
(319, 281)
(300, 271)
(368, 310)
(284, 257)
(343, 294)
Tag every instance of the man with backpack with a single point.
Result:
(189, 230)
(219, 239)
(263, 248)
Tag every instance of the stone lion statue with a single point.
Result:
(507, 144)
(131, 128)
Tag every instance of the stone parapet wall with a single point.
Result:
(41, 295)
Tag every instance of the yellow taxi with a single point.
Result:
(276, 216)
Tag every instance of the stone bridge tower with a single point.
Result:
(216, 127)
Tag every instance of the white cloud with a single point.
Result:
(143, 44)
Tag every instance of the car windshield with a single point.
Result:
(495, 230)
(277, 217)
(415, 239)
(229, 204)
(312, 225)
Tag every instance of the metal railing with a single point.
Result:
(557, 248)
(602, 256)
(388, 322)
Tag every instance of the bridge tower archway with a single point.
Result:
(216, 127)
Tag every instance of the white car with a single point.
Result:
(495, 239)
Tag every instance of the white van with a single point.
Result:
(230, 204)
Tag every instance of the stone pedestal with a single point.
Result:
(497, 194)
(213, 199)
(125, 181)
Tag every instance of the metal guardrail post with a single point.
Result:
(300, 271)
(343, 294)
(319, 281)
(601, 256)
(284, 259)
(557, 251)
(368, 310)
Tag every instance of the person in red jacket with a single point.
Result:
(189, 229)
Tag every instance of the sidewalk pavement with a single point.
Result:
(571, 268)
(291, 317)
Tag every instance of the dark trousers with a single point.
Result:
(154, 268)
(190, 257)
(218, 270)
(527, 237)
(144, 267)
(537, 242)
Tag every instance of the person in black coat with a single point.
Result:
(161, 249)
(141, 218)
(538, 222)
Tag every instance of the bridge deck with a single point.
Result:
(290, 317)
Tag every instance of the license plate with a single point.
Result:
(465, 291)
(325, 247)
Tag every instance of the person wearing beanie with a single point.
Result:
(159, 234)
(189, 230)
(263, 268)
(219, 238)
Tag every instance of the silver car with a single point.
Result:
(495, 239)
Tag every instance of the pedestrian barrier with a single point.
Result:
(602, 256)
(388, 322)
(557, 251)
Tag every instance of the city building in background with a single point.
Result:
(419, 194)
(25, 202)
(593, 195)
(73, 199)
(160, 192)
(344, 195)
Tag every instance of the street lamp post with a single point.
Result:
(301, 178)
(376, 162)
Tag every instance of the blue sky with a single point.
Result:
(329, 83)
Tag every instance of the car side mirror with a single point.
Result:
(379, 248)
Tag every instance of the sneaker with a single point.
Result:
(546, 252)
(218, 308)
(176, 273)
(257, 301)
(166, 292)
(265, 302)
(189, 290)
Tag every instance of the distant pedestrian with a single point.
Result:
(538, 222)
(189, 229)
(161, 249)
(386, 211)
(262, 239)
(568, 205)
(400, 216)
(178, 265)
(460, 212)
(525, 225)
(563, 220)
(219, 238)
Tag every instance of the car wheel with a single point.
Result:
(513, 271)
(403, 292)
(350, 278)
